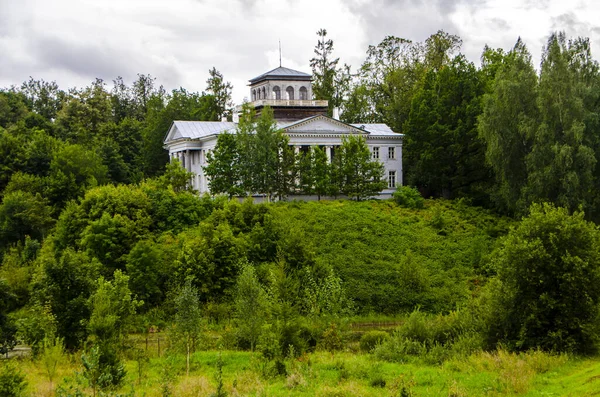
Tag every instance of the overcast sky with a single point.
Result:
(178, 41)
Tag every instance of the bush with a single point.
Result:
(409, 197)
(548, 290)
(12, 381)
(371, 339)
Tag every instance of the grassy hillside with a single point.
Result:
(393, 259)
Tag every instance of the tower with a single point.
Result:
(288, 92)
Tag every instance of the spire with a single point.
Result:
(279, 52)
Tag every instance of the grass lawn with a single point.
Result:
(347, 374)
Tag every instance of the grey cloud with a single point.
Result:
(89, 59)
(500, 23)
(567, 21)
(390, 17)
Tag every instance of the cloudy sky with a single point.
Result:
(178, 41)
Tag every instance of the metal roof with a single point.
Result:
(283, 73)
(200, 129)
(376, 129)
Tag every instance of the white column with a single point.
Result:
(328, 150)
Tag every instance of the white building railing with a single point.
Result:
(285, 102)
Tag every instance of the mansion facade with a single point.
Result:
(304, 120)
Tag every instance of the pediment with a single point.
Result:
(323, 125)
(173, 134)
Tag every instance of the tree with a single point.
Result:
(561, 162)
(162, 111)
(443, 154)
(320, 172)
(439, 48)
(210, 257)
(324, 71)
(73, 170)
(8, 330)
(269, 164)
(286, 170)
(176, 177)
(12, 108)
(506, 125)
(81, 117)
(251, 305)
(147, 272)
(188, 319)
(43, 97)
(23, 214)
(221, 91)
(65, 282)
(548, 287)
(362, 176)
(112, 308)
(223, 169)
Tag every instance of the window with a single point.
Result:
(392, 179)
(276, 92)
(391, 153)
(290, 93)
(375, 153)
(193, 154)
(303, 94)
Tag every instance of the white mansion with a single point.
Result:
(289, 93)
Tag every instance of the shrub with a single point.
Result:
(12, 381)
(371, 339)
(377, 381)
(409, 197)
(548, 289)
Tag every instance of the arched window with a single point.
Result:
(290, 93)
(276, 92)
(264, 93)
(303, 93)
(254, 95)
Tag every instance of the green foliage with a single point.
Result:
(561, 162)
(251, 306)
(371, 339)
(148, 271)
(332, 339)
(188, 319)
(65, 282)
(7, 328)
(38, 327)
(548, 290)
(112, 308)
(220, 392)
(223, 167)
(390, 259)
(361, 176)
(509, 113)
(324, 71)
(408, 197)
(221, 92)
(433, 339)
(102, 368)
(23, 214)
(176, 177)
(12, 381)
(210, 258)
(443, 154)
(52, 355)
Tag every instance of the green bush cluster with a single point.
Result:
(369, 340)
(432, 338)
(409, 197)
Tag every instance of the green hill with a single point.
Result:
(393, 259)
